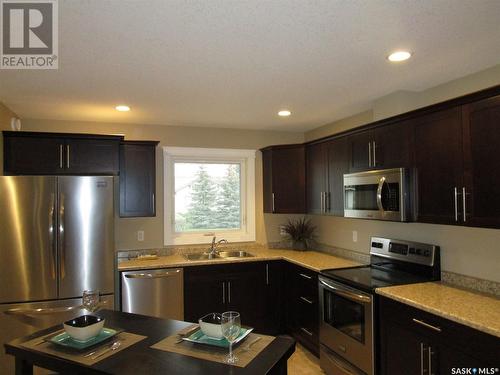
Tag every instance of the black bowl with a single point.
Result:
(84, 321)
(213, 318)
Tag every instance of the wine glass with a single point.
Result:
(231, 326)
(90, 300)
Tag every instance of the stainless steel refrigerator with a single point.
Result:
(56, 240)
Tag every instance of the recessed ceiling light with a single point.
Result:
(284, 113)
(122, 108)
(399, 56)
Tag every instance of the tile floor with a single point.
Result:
(302, 362)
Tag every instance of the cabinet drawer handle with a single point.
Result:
(427, 325)
(305, 276)
(306, 331)
(306, 300)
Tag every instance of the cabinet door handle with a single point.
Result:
(429, 355)
(305, 276)
(321, 201)
(306, 331)
(427, 325)
(267, 274)
(229, 292)
(328, 201)
(464, 203)
(306, 300)
(273, 203)
(67, 156)
(455, 196)
(421, 358)
(223, 292)
(374, 154)
(369, 154)
(61, 156)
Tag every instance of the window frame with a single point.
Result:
(246, 158)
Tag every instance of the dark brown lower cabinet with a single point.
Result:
(301, 285)
(414, 342)
(251, 288)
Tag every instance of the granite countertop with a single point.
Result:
(476, 310)
(312, 260)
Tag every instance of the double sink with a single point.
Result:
(219, 255)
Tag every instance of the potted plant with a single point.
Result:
(300, 233)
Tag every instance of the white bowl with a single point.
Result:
(84, 327)
(210, 325)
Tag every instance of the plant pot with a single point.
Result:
(299, 245)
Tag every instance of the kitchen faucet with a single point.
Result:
(213, 247)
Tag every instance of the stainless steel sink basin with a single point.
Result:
(200, 256)
(219, 255)
(234, 254)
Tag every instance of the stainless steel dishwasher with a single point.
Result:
(158, 292)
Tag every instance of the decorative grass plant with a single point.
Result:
(300, 233)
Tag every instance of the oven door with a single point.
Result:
(346, 323)
(378, 195)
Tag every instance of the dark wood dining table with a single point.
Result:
(140, 358)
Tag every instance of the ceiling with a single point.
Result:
(236, 63)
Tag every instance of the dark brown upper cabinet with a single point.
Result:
(34, 153)
(388, 146)
(326, 164)
(439, 167)
(137, 178)
(284, 179)
(316, 177)
(481, 145)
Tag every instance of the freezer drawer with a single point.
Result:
(21, 319)
(157, 292)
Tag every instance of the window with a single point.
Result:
(209, 192)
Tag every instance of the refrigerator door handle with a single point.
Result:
(52, 234)
(61, 242)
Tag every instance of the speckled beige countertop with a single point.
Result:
(313, 260)
(469, 308)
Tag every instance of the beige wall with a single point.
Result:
(469, 251)
(5, 115)
(126, 229)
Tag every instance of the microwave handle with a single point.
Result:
(379, 194)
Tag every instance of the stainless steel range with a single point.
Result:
(348, 303)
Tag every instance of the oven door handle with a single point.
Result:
(379, 193)
(347, 294)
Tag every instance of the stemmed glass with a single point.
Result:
(231, 326)
(90, 300)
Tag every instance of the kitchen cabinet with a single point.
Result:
(413, 341)
(284, 179)
(302, 306)
(138, 178)
(326, 164)
(481, 131)
(383, 147)
(439, 169)
(316, 177)
(33, 153)
(456, 182)
(251, 288)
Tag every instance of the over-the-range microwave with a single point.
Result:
(380, 195)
